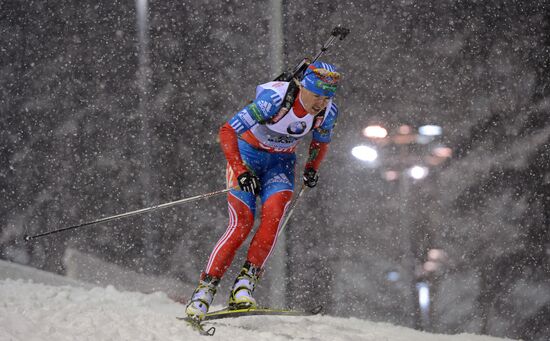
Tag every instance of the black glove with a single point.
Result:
(310, 177)
(249, 182)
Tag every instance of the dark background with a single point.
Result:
(93, 126)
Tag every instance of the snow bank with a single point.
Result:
(87, 268)
(37, 311)
(10, 270)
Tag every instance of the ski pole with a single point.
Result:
(128, 214)
(299, 69)
(337, 31)
(291, 210)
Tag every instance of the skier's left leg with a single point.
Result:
(277, 189)
(265, 239)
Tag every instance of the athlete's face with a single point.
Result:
(312, 102)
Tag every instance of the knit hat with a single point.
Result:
(321, 78)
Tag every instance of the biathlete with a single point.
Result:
(259, 143)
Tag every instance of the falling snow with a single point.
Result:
(111, 107)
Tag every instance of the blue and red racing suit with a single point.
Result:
(262, 139)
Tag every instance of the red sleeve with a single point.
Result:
(230, 147)
(317, 152)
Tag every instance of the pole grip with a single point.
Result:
(299, 69)
(340, 31)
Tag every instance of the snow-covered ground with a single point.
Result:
(30, 310)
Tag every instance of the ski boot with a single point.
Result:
(202, 298)
(241, 293)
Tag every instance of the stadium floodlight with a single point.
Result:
(430, 130)
(418, 172)
(393, 276)
(423, 295)
(376, 131)
(364, 153)
(442, 151)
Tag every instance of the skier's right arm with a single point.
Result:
(230, 147)
(260, 110)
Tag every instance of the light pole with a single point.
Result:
(151, 236)
(144, 85)
(279, 263)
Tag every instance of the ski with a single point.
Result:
(232, 313)
(198, 326)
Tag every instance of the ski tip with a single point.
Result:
(210, 331)
(198, 326)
